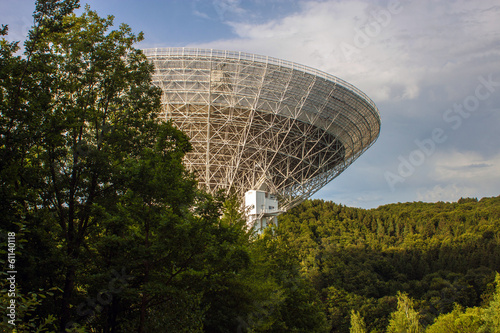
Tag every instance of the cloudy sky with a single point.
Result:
(432, 67)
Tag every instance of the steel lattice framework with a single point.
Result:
(258, 122)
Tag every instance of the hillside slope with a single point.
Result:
(441, 254)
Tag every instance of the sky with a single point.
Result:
(431, 66)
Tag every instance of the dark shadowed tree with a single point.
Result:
(83, 152)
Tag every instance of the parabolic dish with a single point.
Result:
(258, 122)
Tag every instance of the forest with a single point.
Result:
(104, 230)
(442, 258)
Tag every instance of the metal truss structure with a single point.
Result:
(262, 123)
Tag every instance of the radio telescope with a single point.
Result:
(272, 131)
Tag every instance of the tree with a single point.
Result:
(291, 304)
(405, 319)
(357, 323)
(80, 134)
(491, 315)
(115, 219)
(457, 321)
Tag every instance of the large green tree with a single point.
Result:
(97, 178)
(112, 218)
(406, 318)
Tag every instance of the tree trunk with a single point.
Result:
(66, 298)
(144, 300)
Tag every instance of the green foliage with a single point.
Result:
(294, 305)
(491, 315)
(405, 319)
(458, 321)
(439, 254)
(357, 323)
(26, 304)
(115, 220)
(91, 122)
(233, 214)
(473, 319)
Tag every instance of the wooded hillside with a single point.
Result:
(440, 254)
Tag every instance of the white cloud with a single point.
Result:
(388, 55)
(460, 174)
(226, 8)
(464, 166)
(200, 14)
(450, 192)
